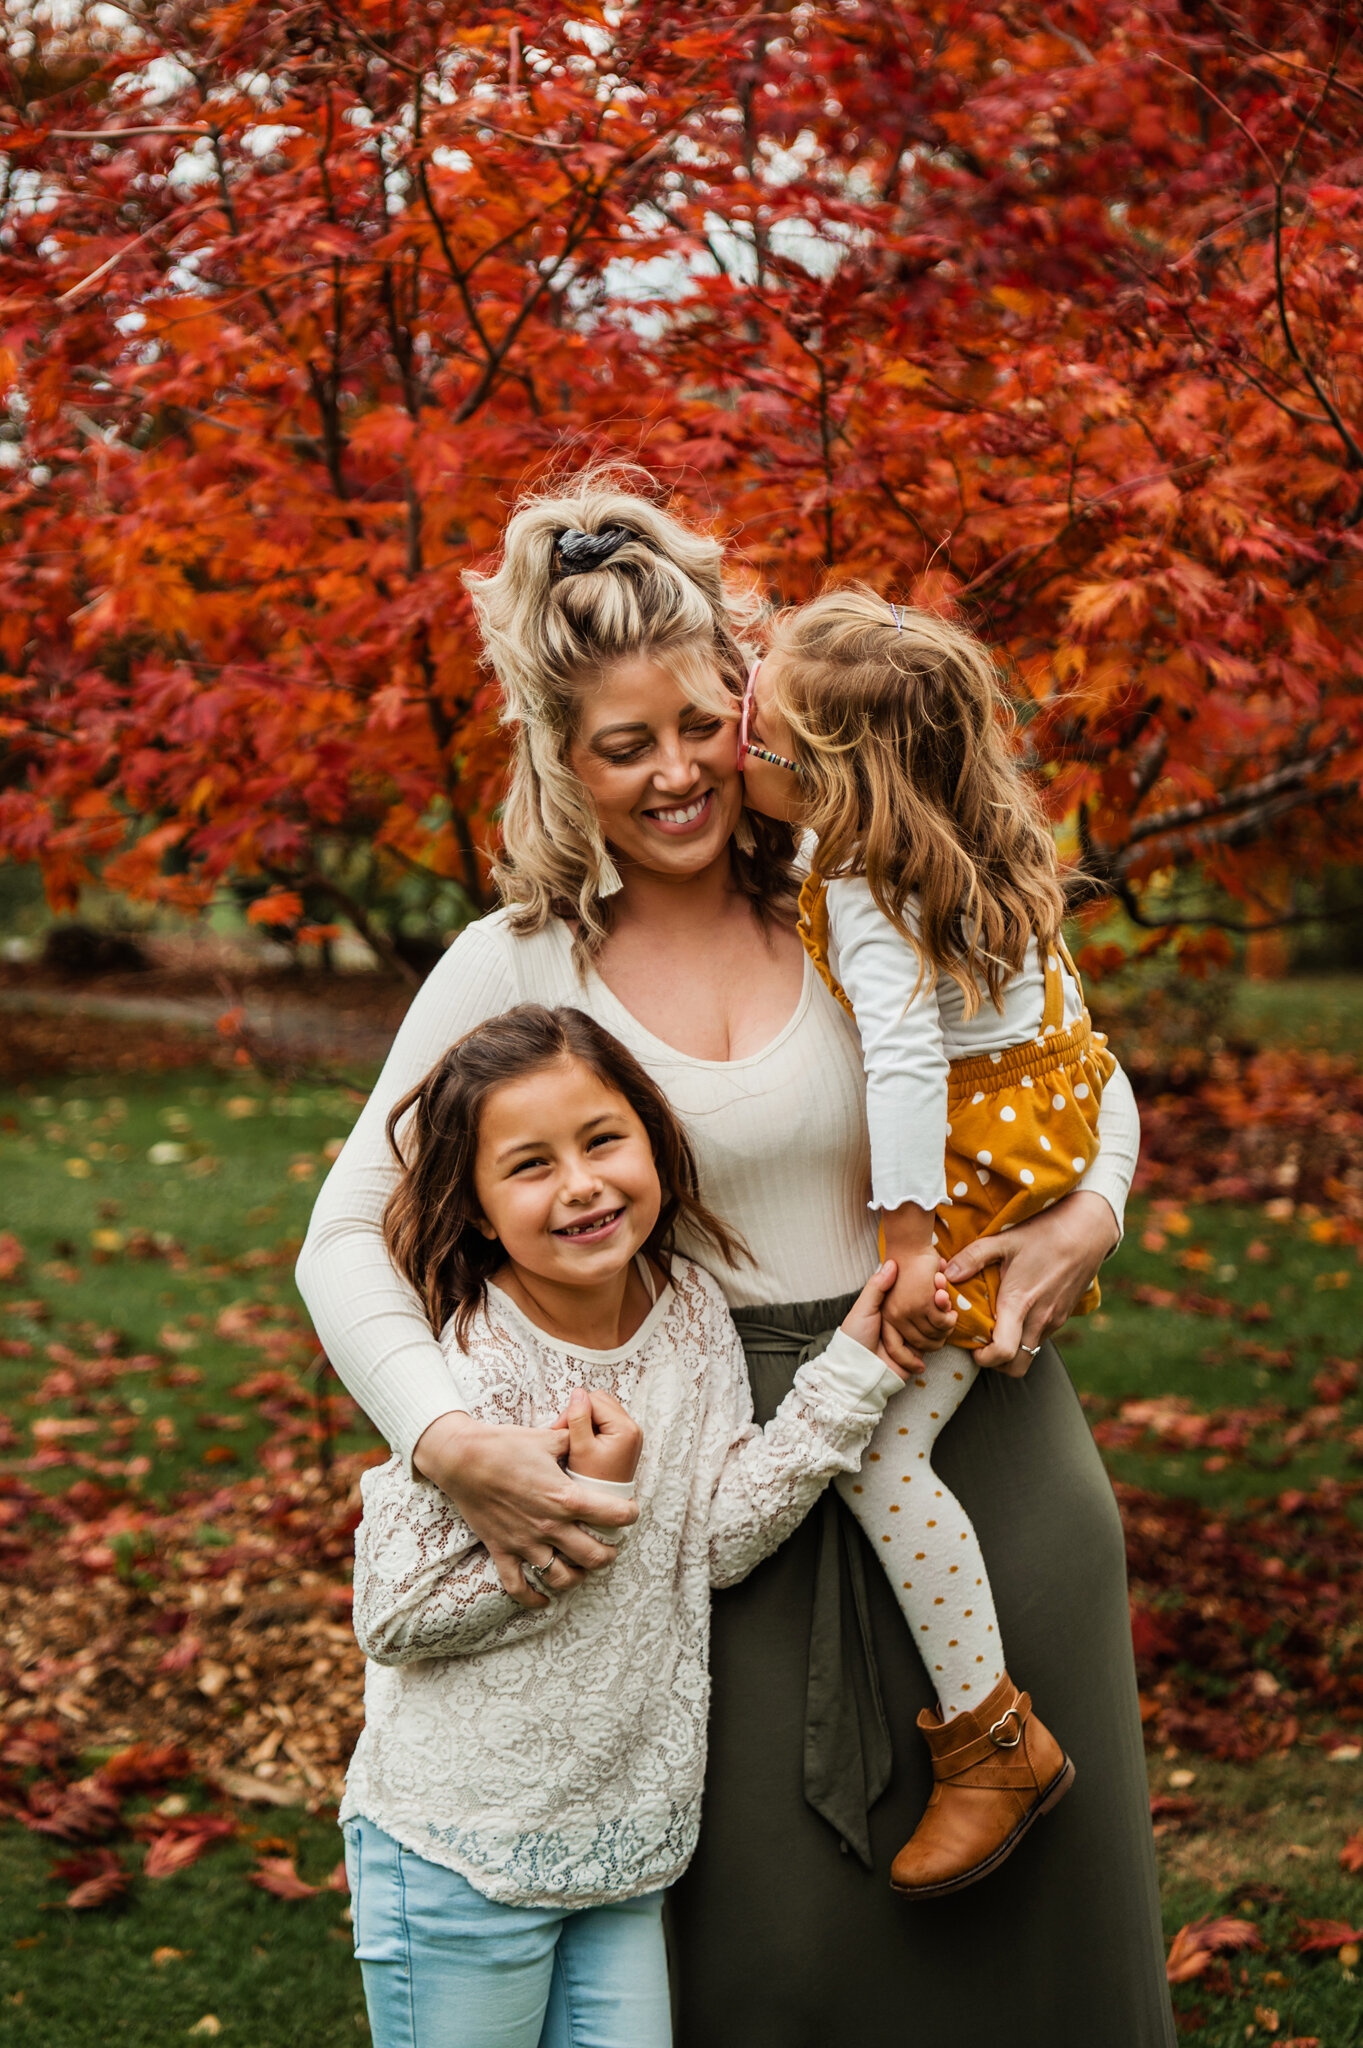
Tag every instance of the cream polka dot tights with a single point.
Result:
(924, 1538)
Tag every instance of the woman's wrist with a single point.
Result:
(438, 1447)
(1091, 1210)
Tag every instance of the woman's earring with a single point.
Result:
(608, 881)
(745, 839)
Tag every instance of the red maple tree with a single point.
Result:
(1053, 314)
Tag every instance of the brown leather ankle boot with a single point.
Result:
(997, 1770)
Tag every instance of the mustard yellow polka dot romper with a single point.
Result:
(1022, 1125)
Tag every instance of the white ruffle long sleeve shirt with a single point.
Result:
(911, 1032)
(555, 1755)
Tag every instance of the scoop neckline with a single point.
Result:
(690, 1059)
(641, 1336)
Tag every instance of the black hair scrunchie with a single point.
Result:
(577, 553)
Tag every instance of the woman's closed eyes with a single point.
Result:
(693, 729)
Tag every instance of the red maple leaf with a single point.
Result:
(97, 1879)
(1194, 1946)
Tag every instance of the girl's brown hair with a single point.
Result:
(901, 728)
(431, 1222)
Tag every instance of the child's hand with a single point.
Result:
(604, 1440)
(918, 1308)
(863, 1320)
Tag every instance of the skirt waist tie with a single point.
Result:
(847, 1748)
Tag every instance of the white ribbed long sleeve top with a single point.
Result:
(780, 1138)
(910, 1033)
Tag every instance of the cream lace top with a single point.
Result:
(555, 1755)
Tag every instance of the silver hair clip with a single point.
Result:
(897, 612)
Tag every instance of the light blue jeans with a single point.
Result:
(446, 1968)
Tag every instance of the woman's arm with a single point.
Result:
(424, 1585)
(764, 1481)
(1049, 1262)
(368, 1318)
(1119, 1143)
(507, 1482)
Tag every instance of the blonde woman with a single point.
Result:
(637, 888)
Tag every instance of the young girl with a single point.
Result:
(529, 1778)
(933, 911)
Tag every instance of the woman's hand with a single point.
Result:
(1047, 1265)
(510, 1487)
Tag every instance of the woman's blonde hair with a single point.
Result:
(661, 593)
(902, 731)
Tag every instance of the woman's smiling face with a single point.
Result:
(660, 768)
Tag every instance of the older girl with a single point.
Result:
(528, 1781)
(637, 889)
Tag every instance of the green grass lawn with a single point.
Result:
(1310, 1011)
(273, 1973)
(161, 1209)
(187, 1255)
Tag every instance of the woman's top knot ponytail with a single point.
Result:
(577, 553)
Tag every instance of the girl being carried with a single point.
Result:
(933, 911)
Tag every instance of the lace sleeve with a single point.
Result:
(424, 1585)
(367, 1316)
(766, 1480)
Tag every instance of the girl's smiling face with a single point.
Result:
(565, 1176)
(659, 767)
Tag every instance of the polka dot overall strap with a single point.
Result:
(813, 930)
(1022, 1131)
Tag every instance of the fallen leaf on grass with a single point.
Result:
(146, 1766)
(209, 2024)
(1351, 1855)
(98, 1878)
(175, 1844)
(73, 1813)
(262, 1791)
(1192, 1949)
(1253, 1895)
(1324, 1937)
(278, 1875)
(161, 1956)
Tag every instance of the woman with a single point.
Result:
(638, 890)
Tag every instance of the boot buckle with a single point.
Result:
(1009, 1714)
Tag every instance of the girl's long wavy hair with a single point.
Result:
(431, 1222)
(663, 595)
(903, 736)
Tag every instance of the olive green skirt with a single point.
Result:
(785, 1932)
